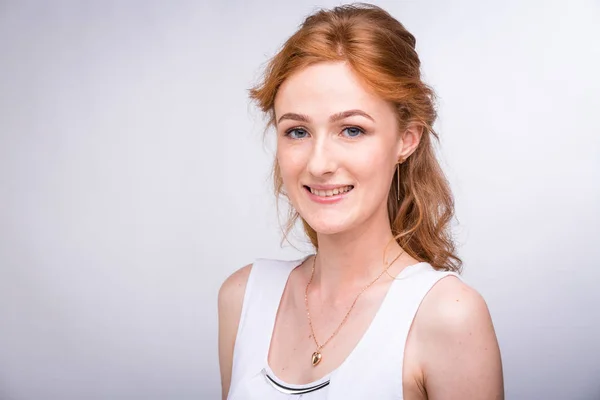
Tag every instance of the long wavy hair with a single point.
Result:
(382, 53)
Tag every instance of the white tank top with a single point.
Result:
(371, 370)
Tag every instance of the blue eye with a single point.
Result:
(353, 131)
(301, 133)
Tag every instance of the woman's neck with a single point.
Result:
(348, 261)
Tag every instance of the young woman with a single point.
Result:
(379, 310)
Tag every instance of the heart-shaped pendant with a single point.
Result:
(316, 358)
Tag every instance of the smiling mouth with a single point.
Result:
(330, 192)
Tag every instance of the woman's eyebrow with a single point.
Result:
(333, 118)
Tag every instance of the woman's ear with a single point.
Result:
(409, 140)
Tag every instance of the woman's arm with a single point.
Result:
(231, 298)
(456, 338)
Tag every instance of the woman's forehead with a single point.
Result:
(323, 89)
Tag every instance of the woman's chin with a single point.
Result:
(328, 226)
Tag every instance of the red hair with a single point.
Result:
(381, 52)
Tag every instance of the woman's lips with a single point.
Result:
(328, 196)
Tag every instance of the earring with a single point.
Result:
(400, 161)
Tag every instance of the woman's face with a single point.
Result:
(337, 147)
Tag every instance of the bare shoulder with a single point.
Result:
(454, 332)
(452, 306)
(233, 288)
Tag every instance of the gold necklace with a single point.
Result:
(317, 356)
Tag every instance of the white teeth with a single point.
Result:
(332, 192)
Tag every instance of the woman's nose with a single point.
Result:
(322, 158)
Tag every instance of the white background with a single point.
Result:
(133, 180)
